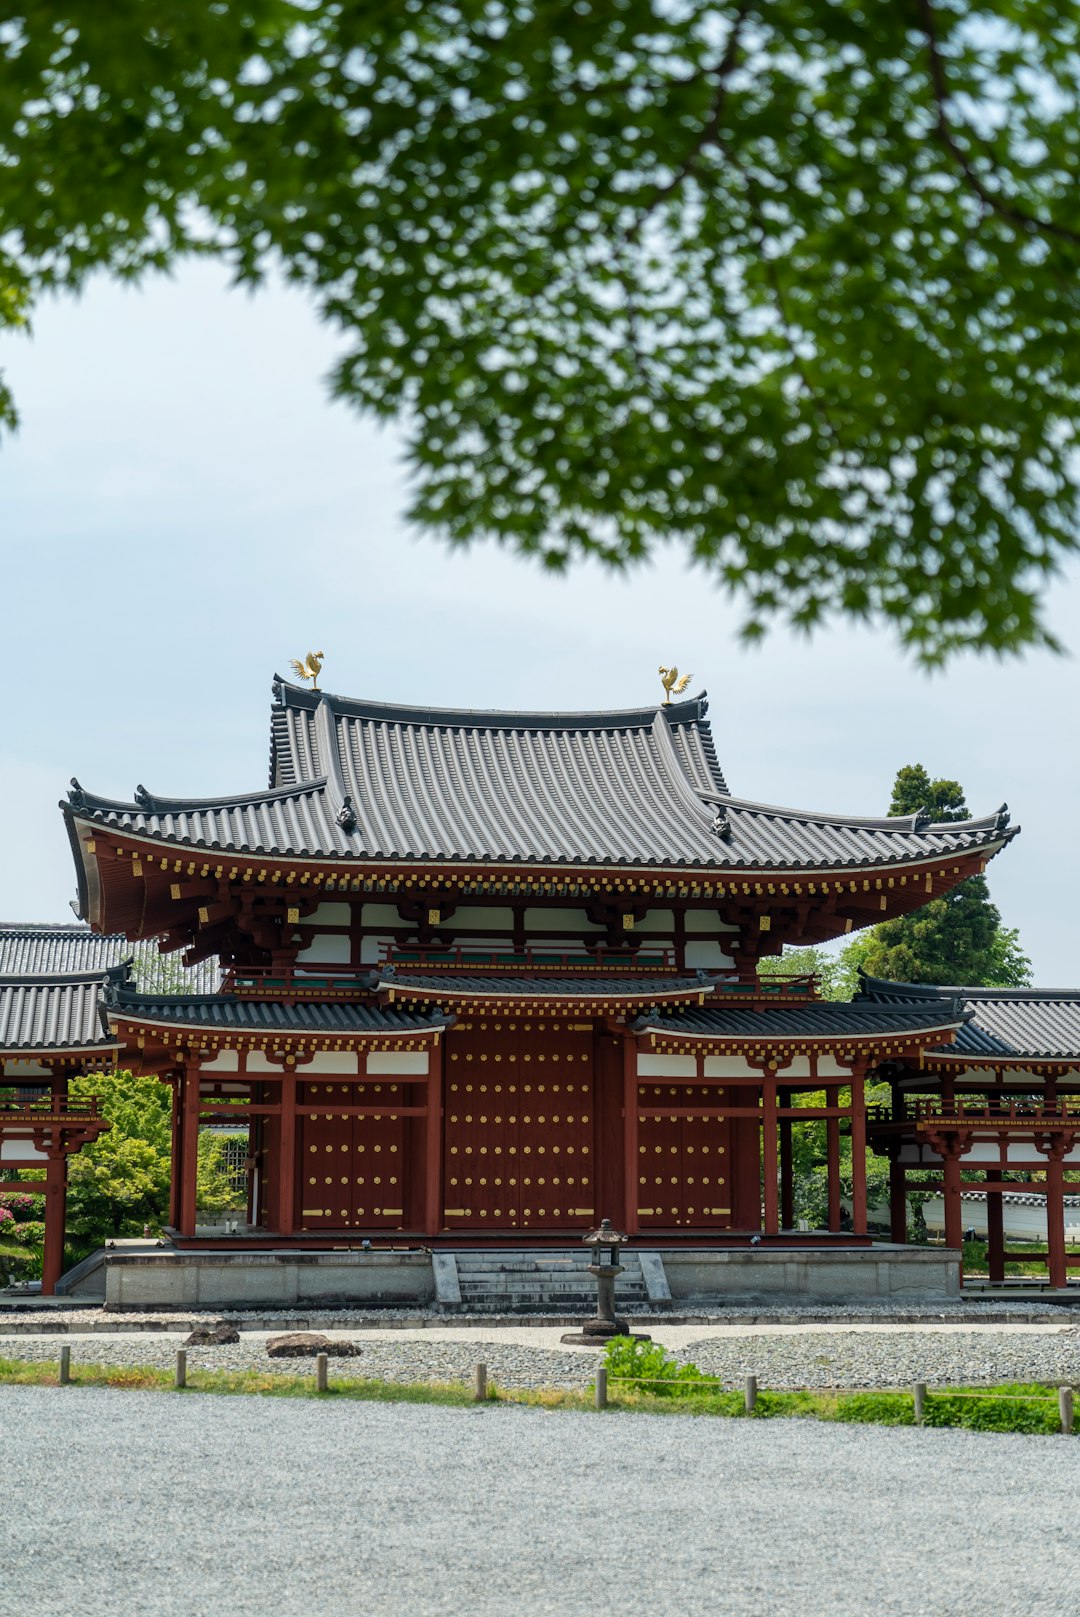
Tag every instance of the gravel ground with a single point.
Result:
(133, 1505)
(866, 1356)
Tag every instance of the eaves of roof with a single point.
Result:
(824, 1020)
(436, 986)
(252, 1016)
(1005, 1026)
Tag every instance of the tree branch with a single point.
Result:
(991, 200)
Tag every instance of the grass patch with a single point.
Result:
(1028, 1407)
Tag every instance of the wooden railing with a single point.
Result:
(56, 1107)
(934, 1110)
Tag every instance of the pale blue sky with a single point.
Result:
(182, 511)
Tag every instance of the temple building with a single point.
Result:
(488, 977)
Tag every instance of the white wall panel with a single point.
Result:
(392, 1061)
(654, 1066)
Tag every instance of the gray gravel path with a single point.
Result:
(137, 1505)
(881, 1356)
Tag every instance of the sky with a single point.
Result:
(183, 510)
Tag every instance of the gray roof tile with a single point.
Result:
(231, 1013)
(37, 948)
(52, 1013)
(358, 780)
(631, 989)
(1012, 1024)
(824, 1019)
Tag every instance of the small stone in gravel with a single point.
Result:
(306, 1344)
(219, 1335)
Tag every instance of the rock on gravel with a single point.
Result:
(219, 1335)
(306, 1344)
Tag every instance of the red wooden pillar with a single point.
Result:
(631, 1169)
(175, 1083)
(1055, 1216)
(897, 1201)
(954, 1214)
(55, 1221)
(189, 1155)
(858, 1149)
(995, 1236)
(832, 1157)
(433, 1153)
(769, 1154)
(286, 1163)
(787, 1168)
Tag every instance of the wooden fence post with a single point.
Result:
(181, 1368)
(65, 1366)
(751, 1394)
(1065, 1408)
(321, 1362)
(601, 1386)
(919, 1393)
(480, 1383)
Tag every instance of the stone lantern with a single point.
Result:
(606, 1244)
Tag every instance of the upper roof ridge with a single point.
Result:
(690, 711)
(877, 988)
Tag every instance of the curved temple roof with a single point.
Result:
(823, 1019)
(53, 1013)
(47, 948)
(1006, 1024)
(364, 781)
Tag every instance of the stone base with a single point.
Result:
(139, 1275)
(586, 1338)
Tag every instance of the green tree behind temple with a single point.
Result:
(957, 938)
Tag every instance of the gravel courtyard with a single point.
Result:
(782, 1356)
(138, 1505)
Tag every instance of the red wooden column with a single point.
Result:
(631, 1169)
(787, 1167)
(433, 1144)
(832, 1156)
(858, 1148)
(1055, 1215)
(189, 1155)
(769, 1154)
(286, 1163)
(897, 1200)
(55, 1221)
(177, 1150)
(995, 1236)
(954, 1213)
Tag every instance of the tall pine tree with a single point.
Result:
(958, 938)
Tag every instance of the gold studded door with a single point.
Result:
(520, 1125)
(351, 1169)
(684, 1163)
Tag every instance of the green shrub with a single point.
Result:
(651, 1365)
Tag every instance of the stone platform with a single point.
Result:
(139, 1275)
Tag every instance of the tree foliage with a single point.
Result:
(121, 1182)
(793, 284)
(957, 938)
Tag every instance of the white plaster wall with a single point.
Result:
(657, 921)
(829, 1067)
(496, 917)
(707, 953)
(381, 915)
(257, 1062)
(344, 1061)
(224, 1061)
(22, 1069)
(798, 1068)
(558, 920)
(330, 914)
(19, 1150)
(328, 948)
(654, 1066)
(392, 1061)
(707, 921)
(371, 949)
(729, 1067)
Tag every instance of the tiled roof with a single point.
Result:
(631, 989)
(265, 1016)
(824, 1019)
(44, 948)
(42, 1013)
(1012, 1024)
(354, 780)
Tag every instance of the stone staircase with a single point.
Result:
(538, 1282)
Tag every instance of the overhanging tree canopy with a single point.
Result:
(793, 284)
